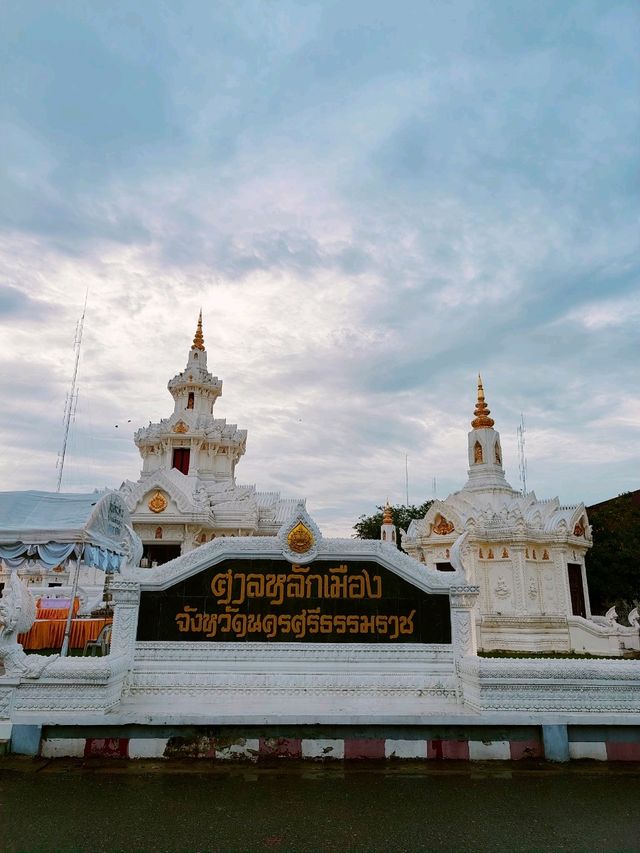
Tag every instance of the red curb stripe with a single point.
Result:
(110, 747)
(525, 749)
(357, 748)
(453, 750)
(280, 747)
(621, 751)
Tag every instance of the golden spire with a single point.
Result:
(198, 340)
(482, 419)
(387, 517)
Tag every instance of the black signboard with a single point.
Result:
(272, 600)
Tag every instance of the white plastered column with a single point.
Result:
(463, 600)
(126, 600)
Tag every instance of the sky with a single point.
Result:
(371, 202)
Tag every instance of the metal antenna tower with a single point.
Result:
(434, 488)
(72, 397)
(522, 459)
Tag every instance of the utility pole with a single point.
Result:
(72, 397)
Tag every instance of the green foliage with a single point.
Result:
(613, 564)
(368, 526)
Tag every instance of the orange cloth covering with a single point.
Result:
(49, 633)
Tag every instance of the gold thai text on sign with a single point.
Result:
(245, 603)
(236, 587)
(306, 623)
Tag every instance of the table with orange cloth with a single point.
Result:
(55, 612)
(49, 633)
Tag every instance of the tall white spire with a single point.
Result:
(485, 451)
(195, 388)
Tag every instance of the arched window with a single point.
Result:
(190, 401)
(477, 452)
(498, 454)
(158, 533)
(384, 535)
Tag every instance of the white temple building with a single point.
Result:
(187, 492)
(526, 555)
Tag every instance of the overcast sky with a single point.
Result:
(371, 201)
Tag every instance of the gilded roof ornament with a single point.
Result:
(482, 411)
(387, 517)
(198, 339)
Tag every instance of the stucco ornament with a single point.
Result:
(17, 615)
(158, 502)
(300, 537)
(458, 554)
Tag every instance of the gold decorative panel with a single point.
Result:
(300, 538)
(158, 502)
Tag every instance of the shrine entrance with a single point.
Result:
(576, 590)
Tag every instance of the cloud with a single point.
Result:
(370, 203)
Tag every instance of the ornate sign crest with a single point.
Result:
(158, 502)
(300, 539)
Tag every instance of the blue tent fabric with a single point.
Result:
(46, 528)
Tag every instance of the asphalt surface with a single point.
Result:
(72, 805)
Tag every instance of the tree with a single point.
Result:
(368, 526)
(613, 564)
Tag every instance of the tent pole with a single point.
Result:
(67, 630)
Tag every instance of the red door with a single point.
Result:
(181, 459)
(576, 590)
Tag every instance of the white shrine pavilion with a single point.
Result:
(187, 492)
(526, 555)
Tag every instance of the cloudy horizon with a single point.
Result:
(371, 202)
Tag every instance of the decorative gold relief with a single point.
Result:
(181, 427)
(505, 553)
(481, 554)
(158, 533)
(300, 538)
(442, 526)
(579, 529)
(490, 555)
(158, 502)
(545, 555)
(477, 452)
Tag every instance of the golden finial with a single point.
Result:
(387, 516)
(482, 411)
(198, 340)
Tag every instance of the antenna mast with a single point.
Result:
(522, 459)
(72, 397)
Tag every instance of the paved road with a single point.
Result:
(144, 806)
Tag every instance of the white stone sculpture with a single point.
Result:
(17, 615)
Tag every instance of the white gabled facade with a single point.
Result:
(187, 492)
(526, 555)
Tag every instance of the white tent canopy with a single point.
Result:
(46, 528)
